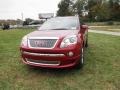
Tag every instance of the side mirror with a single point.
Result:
(84, 27)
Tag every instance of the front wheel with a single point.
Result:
(81, 61)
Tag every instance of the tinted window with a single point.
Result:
(58, 23)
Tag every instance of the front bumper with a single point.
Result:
(54, 58)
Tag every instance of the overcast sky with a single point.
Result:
(12, 9)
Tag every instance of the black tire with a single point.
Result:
(81, 61)
(86, 44)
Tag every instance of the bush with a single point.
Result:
(6, 26)
(110, 23)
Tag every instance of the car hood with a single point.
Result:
(52, 33)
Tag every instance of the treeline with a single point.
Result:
(10, 22)
(91, 10)
(27, 21)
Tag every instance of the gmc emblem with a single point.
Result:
(39, 43)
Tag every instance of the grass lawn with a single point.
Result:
(101, 70)
(112, 28)
(103, 23)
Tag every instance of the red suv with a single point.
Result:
(58, 43)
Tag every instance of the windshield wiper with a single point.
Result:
(60, 29)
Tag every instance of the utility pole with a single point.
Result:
(22, 18)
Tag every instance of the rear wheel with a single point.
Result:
(81, 61)
(86, 43)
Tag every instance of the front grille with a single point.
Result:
(41, 54)
(42, 43)
(43, 62)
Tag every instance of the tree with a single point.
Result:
(114, 6)
(27, 21)
(98, 10)
(19, 22)
(78, 6)
(93, 8)
(64, 8)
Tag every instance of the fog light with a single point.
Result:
(70, 54)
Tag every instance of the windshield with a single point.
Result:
(61, 23)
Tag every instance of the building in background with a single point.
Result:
(46, 15)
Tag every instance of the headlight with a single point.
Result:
(24, 41)
(68, 41)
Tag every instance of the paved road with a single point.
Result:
(105, 32)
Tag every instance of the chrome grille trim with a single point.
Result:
(40, 54)
(45, 38)
(43, 62)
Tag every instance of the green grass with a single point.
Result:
(109, 23)
(112, 28)
(101, 70)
